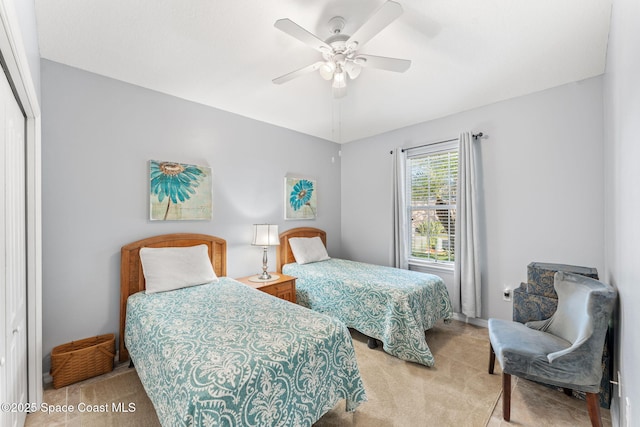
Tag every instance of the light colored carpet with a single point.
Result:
(124, 400)
(456, 392)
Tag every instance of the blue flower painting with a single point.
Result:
(179, 191)
(300, 198)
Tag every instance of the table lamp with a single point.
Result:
(265, 235)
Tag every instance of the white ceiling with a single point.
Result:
(224, 53)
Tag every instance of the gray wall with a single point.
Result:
(97, 137)
(541, 185)
(622, 200)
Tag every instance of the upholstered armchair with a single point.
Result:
(564, 350)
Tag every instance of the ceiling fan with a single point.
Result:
(340, 51)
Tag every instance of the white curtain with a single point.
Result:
(400, 226)
(467, 294)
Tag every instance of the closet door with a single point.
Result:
(13, 345)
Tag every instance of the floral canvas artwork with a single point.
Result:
(179, 191)
(300, 198)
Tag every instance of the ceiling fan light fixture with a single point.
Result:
(353, 70)
(339, 92)
(339, 80)
(327, 69)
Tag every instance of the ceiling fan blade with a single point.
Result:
(297, 73)
(383, 63)
(296, 31)
(382, 17)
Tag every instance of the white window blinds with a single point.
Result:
(432, 177)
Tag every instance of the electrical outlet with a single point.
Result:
(506, 294)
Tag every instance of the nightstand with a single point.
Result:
(283, 287)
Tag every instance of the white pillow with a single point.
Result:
(308, 249)
(166, 269)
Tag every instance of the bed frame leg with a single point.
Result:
(372, 343)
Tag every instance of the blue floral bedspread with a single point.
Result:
(393, 305)
(225, 354)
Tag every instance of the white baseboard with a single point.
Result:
(483, 323)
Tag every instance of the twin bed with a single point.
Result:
(225, 354)
(222, 353)
(388, 304)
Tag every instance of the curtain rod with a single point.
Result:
(475, 136)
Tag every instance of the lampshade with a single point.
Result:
(327, 69)
(352, 70)
(265, 235)
(339, 79)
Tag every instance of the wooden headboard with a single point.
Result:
(284, 254)
(132, 277)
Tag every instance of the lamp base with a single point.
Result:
(259, 278)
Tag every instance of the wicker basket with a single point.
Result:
(79, 360)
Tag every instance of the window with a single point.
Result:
(432, 180)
